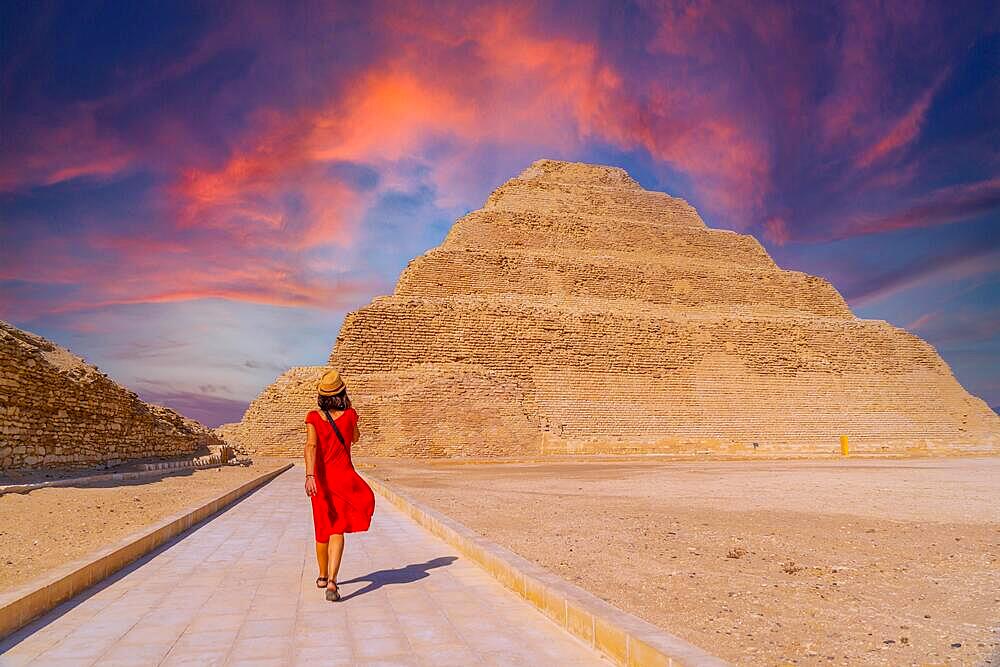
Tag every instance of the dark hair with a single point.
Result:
(336, 402)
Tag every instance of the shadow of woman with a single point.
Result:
(402, 575)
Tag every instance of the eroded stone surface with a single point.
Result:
(577, 312)
(58, 411)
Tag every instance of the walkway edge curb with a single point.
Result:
(623, 638)
(26, 603)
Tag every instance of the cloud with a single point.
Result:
(947, 205)
(463, 80)
(70, 146)
(904, 130)
(776, 230)
(964, 328)
(940, 207)
(128, 268)
(922, 321)
(205, 407)
(955, 264)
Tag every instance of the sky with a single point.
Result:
(192, 195)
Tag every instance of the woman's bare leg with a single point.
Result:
(334, 554)
(322, 549)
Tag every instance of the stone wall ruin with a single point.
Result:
(58, 411)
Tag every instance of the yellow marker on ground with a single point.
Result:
(845, 449)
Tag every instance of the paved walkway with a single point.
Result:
(240, 590)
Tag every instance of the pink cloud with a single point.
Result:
(943, 206)
(903, 130)
(922, 321)
(70, 147)
(952, 266)
(129, 269)
(776, 230)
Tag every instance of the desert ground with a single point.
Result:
(44, 529)
(873, 562)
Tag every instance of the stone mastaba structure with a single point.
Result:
(577, 312)
(58, 411)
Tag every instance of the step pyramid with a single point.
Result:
(578, 313)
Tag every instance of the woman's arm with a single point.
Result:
(310, 460)
(357, 433)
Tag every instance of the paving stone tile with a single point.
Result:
(75, 649)
(365, 630)
(64, 662)
(210, 640)
(322, 639)
(206, 621)
(133, 656)
(184, 658)
(431, 636)
(389, 661)
(510, 659)
(381, 647)
(313, 656)
(259, 648)
(269, 627)
(447, 655)
(28, 649)
(258, 662)
(143, 633)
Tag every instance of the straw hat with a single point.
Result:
(331, 384)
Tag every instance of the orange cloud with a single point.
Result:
(510, 86)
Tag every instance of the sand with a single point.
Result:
(836, 562)
(44, 529)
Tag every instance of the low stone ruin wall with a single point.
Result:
(57, 411)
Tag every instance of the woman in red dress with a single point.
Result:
(341, 501)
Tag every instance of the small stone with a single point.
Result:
(957, 645)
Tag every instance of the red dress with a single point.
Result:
(343, 502)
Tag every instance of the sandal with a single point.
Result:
(333, 594)
(321, 585)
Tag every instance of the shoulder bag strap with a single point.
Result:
(335, 429)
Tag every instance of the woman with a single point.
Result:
(341, 501)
